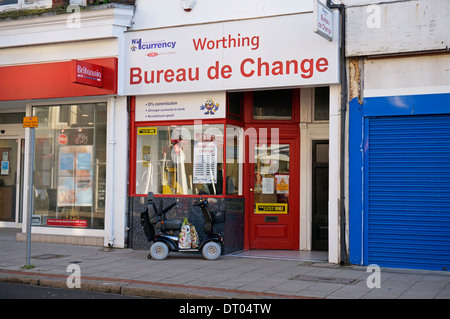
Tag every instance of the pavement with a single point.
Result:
(185, 276)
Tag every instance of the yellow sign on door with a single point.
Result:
(271, 208)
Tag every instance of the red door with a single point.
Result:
(273, 193)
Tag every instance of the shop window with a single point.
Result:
(70, 166)
(184, 159)
(6, 2)
(322, 103)
(24, 4)
(64, 114)
(272, 105)
(179, 159)
(235, 102)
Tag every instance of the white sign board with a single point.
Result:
(323, 20)
(247, 54)
(205, 162)
(188, 106)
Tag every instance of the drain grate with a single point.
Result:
(48, 256)
(334, 280)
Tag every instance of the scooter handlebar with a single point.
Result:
(165, 210)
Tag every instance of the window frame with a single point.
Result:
(248, 110)
(313, 106)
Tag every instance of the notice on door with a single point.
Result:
(271, 208)
(282, 184)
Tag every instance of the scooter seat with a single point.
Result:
(171, 224)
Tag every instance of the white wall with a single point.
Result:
(407, 75)
(106, 22)
(163, 13)
(397, 27)
(309, 131)
(116, 172)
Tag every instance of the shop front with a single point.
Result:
(228, 108)
(70, 148)
(399, 156)
(66, 78)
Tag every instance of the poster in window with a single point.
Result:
(83, 162)
(282, 183)
(267, 185)
(205, 163)
(5, 168)
(75, 180)
(145, 155)
(66, 161)
(66, 191)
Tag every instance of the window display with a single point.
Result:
(70, 166)
(184, 159)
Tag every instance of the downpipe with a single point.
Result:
(344, 96)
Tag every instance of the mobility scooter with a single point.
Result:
(167, 239)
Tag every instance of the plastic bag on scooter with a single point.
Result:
(194, 237)
(184, 239)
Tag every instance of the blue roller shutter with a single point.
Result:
(408, 192)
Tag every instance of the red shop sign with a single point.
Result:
(87, 73)
(67, 222)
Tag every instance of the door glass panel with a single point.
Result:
(8, 176)
(271, 179)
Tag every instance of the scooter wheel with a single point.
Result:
(159, 250)
(211, 250)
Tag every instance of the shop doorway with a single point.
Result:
(272, 169)
(320, 195)
(10, 185)
(273, 202)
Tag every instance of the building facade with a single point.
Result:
(203, 97)
(309, 128)
(60, 64)
(399, 163)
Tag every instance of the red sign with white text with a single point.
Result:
(87, 73)
(54, 80)
(67, 222)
